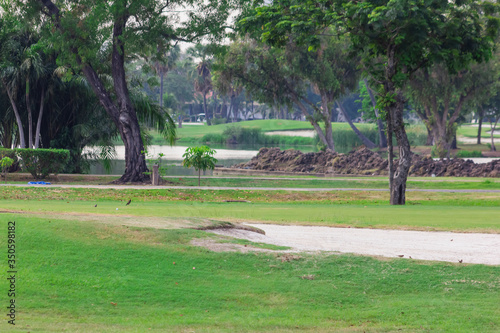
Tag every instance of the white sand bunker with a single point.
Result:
(440, 246)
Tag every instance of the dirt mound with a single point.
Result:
(362, 162)
(426, 166)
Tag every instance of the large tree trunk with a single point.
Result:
(39, 121)
(22, 143)
(162, 74)
(205, 109)
(229, 109)
(400, 175)
(493, 127)
(380, 124)
(395, 122)
(430, 137)
(326, 104)
(367, 142)
(128, 124)
(30, 116)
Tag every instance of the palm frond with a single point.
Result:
(152, 115)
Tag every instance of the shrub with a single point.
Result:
(218, 121)
(201, 158)
(10, 153)
(5, 164)
(42, 162)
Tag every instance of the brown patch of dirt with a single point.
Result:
(363, 162)
(215, 246)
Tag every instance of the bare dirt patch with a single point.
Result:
(216, 246)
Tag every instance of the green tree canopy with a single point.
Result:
(200, 158)
(394, 39)
(83, 30)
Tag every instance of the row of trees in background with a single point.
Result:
(250, 79)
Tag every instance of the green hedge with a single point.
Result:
(5, 152)
(42, 162)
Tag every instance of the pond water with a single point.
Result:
(227, 155)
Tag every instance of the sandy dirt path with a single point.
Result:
(440, 246)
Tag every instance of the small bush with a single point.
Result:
(10, 153)
(214, 138)
(42, 162)
(468, 153)
(5, 164)
(218, 121)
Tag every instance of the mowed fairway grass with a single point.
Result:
(83, 268)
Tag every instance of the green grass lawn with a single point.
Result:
(452, 183)
(83, 268)
(470, 131)
(424, 211)
(78, 276)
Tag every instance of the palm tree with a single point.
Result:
(163, 64)
(33, 69)
(203, 79)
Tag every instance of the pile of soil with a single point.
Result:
(362, 162)
(457, 167)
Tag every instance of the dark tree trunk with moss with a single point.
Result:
(398, 174)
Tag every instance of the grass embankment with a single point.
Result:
(424, 211)
(83, 268)
(470, 131)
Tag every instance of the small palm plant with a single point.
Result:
(201, 158)
(5, 164)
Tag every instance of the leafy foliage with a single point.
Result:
(201, 158)
(5, 164)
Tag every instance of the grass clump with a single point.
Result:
(466, 154)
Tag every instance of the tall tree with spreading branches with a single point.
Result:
(394, 39)
(81, 29)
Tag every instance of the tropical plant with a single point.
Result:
(5, 164)
(201, 158)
